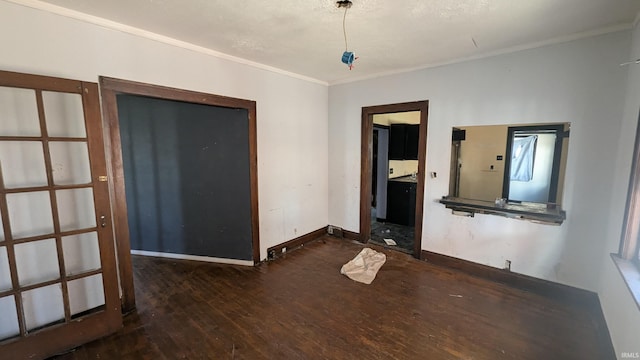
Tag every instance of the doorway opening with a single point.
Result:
(180, 175)
(393, 157)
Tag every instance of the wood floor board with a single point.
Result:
(300, 307)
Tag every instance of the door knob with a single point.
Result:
(103, 221)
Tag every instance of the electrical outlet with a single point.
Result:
(391, 171)
(507, 265)
(284, 250)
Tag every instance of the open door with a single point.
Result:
(58, 282)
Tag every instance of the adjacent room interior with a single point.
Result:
(189, 183)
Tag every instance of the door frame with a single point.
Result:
(366, 156)
(110, 88)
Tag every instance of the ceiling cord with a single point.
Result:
(344, 29)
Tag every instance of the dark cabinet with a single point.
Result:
(403, 141)
(401, 202)
(411, 142)
(397, 135)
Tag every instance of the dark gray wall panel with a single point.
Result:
(187, 178)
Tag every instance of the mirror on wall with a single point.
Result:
(517, 163)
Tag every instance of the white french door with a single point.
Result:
(58, 282)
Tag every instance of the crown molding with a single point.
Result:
(113, 25)
(509, 50)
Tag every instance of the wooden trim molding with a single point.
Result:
(366, 165)
(110, 88)
(351, 235)
(568, 294)
(515, 280)
(277, 250)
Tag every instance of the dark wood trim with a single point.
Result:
(366, 149)
(297, 242)
(253, 175)
(87, 328)
(519, 281)
(586, 299)
(110, 89)
(39, 138)
(605, 345)
(11, 255)
(275, 251)
(98, 163)
(120, 221)
(50, 236)
(46, 188)
(163, 92)
(351, 235)
(47, 83)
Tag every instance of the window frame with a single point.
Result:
(629, 245)
(559, 131)
(627, 260)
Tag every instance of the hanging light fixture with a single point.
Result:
(347, 57)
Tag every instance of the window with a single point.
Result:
(533, 162)
(629, 244)
(628, 258)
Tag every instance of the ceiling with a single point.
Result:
(306, 37)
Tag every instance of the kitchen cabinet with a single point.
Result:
(403, 141)
(411, 142)
(401, 201)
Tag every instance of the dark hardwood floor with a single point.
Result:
(300, 307)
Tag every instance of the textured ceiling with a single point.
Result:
(305, 37)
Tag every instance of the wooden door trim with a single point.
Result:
(366, 149)
(110, 88)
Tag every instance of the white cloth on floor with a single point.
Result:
(364, 267)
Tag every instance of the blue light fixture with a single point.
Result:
(347, 56)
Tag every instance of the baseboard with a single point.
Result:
(277, 250)
(192, 257)
(519, 281)
(586, 299)
(607, 351)
(351, 235)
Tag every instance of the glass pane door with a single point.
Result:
(56, 244)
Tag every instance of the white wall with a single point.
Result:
(621, 312)
(291, 113)
(579, 82)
